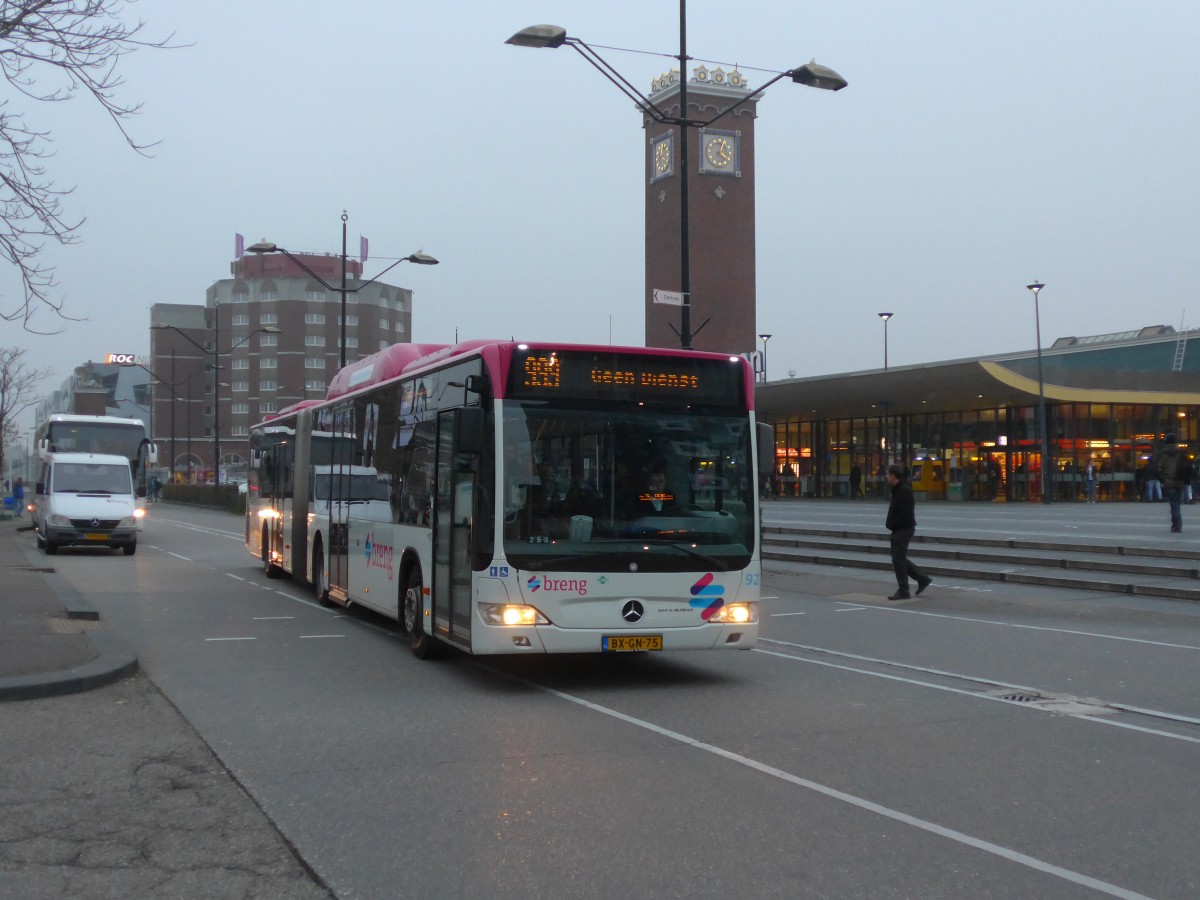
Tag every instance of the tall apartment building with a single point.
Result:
(274, 333)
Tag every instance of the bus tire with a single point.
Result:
(424, 646)
(269, 568)
(320, 574)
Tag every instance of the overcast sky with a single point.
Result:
(978, 147)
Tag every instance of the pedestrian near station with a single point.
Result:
(1175, 471)
(902, 523)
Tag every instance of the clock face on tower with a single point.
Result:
(719, 152)
(662, 156)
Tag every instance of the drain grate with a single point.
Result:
(45, 570)
(1054, 703)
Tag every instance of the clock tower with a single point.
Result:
(721, 221)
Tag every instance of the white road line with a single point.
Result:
(305, 637)
(232, 639)
(852, 609)
(778, 615)
(178, 556)
(976, 695)
(932, 827)
(269, 618)
(237, 577)
(1094, 634)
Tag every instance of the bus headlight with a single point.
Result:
(736, 614)
(511, 614)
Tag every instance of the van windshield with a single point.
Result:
(90, 478)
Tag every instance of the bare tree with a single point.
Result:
(52, 51)
(17, 384)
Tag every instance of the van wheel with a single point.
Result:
(424, 646)
(320, 574)
(129, 549)
(51, 547)
(269, 568)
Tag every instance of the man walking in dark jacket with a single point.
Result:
(902, 523)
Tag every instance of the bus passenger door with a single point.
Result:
(453, 503)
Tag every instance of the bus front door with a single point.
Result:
(451, 589)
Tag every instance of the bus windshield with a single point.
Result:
(631, 489)
(116, 438)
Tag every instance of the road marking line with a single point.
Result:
(777, 615)
(852, 609)
(1094, 634)
(304, 637)
(878, 809)
(232, 639)
(177, 556)
(270, 618)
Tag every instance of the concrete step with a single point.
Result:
(1113, 568)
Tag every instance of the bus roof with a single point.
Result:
(400, 359)
(70, 418)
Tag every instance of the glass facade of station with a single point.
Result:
(980, 454)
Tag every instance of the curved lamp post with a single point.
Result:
(811, 74)
(420, 258)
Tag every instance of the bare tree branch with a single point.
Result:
(51, 51)
(17, 385)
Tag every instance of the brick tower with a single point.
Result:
(721, 220)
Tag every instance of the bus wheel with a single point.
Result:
(269, 568)
(424, 646)
(320, 574)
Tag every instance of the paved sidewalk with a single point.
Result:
(105, 789)
(51, 640)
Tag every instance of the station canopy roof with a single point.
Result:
(1155, 365)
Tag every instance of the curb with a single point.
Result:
(114, 661)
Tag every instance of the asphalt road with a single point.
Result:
(978, 742)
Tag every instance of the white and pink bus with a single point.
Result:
(503, 497)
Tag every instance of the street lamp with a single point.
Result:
(420, 258)
(1036, 288)
(215, 353)
(811, 74)
(885, 317)
(764, 338)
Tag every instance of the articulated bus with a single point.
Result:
(503, 497)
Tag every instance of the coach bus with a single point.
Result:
(503, 497)
(68, 433)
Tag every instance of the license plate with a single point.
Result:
(91, 536)
(630, 643)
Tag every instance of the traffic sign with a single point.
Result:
(671, 298)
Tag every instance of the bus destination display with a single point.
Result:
(604, 376)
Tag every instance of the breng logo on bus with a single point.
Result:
(379, 556)
(576, 586)
(707, 597)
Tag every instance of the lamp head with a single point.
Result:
(816, 75)
(1035, 287)
(886, 316)
(263, 247)
(764, 337)
(271, 329)
(421, 258)
(551, 36)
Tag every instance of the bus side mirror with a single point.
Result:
(766, 448)
(39, 488)
(255, 459)
(152, 454)
(469, 427)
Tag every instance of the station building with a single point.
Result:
(968, 429)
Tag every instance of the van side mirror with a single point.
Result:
(469, 426)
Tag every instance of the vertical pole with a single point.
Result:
(173, 405)
(885, 360)
(216, 357)
(342, 352)
(685, 262)
(1046, 482)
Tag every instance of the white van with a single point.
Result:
(86, 499)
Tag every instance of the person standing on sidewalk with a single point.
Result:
(18, 495)
(1174, 471)
(902, 523)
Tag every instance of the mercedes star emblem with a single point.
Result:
(632, 611)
